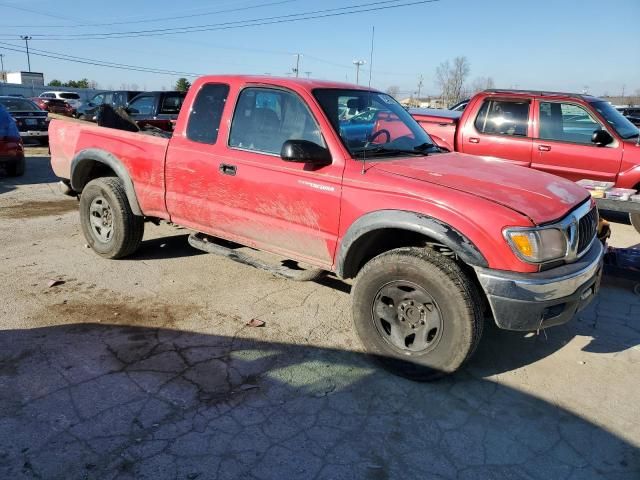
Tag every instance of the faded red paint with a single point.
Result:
(303, 214)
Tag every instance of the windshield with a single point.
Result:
(620, 124)
(19, 105)
(373, 124)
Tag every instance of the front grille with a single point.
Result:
(587, 229)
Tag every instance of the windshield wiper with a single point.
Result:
(382, 150)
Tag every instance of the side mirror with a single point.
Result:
(601, 138)
(304, 151)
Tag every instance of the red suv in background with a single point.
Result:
(54, 105)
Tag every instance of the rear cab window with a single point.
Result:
(206, 113)
(503, 117)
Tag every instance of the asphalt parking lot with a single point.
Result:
(145, 368)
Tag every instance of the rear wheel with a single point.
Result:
(417, 313)
(108, 224)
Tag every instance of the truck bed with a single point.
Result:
(440, 124)
(142, 156)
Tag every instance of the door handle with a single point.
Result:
(544, 148)
(474, 140)
(227, 169)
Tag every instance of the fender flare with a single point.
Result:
(410, 221)
(82, 162)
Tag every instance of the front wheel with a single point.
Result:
(635, 221)
(109, 226)
(417, 313)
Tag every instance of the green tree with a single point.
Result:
(55, 83)
(182, 85)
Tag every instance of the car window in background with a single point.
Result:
(265, 118)
(70, 96)
(566, 122)
(619, 123)
(19, 105)
(97, 99)
(171, 103)
(206, 112)
(502, 117)
(108, 98)
(142, 105)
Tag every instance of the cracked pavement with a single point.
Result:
(145, 368)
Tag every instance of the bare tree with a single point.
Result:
(451, 77)
(480, 84)
(394, 91)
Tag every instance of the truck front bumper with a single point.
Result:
(530, 301)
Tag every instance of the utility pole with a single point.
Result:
(308, 74)
(26, 39)
(358, 64)
(623, 87)
(296, 70)
(373, 34)
(420, 83)
(2, 77)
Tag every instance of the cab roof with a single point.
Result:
(541, 94)
(305, 83)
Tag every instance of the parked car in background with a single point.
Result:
(159, 109)
(571, 135)
(632, 114)
(460, 106)
(31, 120)
(116, 98)
(11, 148)
(54, 105)
(71, 98)
(434, 240)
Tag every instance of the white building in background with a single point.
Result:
(31, 79)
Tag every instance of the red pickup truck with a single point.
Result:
(574, 136)
(434, 240)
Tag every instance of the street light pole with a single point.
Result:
(297, 68)
(26, 39)
(2, 64)
(358, 64)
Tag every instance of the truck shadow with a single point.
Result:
(37, 171)
(95, 400)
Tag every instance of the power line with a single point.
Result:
(98, 63)
(332, 12)
(148, 20)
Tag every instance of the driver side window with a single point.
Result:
(566, 122)
(265, 118)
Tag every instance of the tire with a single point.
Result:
(16, 169)
(635, 221)
(446, 313)
(109, 226)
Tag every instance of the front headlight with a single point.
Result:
(537, 245)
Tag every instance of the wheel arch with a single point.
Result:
(395, 228)
(94, 163)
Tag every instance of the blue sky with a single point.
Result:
(561, 45)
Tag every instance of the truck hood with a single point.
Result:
(540, 196)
